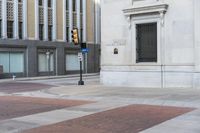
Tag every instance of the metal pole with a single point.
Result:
(81, 82)
(81, 71)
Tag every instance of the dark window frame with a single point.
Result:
(20, 30)
(81, 6)
(41, 31)
(81, 35)
(10, 29)
(74, 5)
(67, 5)
(50, 3)
(146, 43)
(40, 2)
(50, 27)
(0, 28)
(67, 34)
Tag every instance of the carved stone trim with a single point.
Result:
(156, 8)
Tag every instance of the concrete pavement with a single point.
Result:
(109, 97)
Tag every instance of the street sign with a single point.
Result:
(80, 56)
(85, 50)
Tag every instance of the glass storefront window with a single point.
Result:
(72, 63)
(4, 60)
(12, 62)
(16, 62)
(43, 63)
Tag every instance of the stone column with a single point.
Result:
(45, 7)
(84, 21)
(78, 16)
(16, 21)
(54, 21)
(4, 19)
(25, 36)
(64, 20)
(196, 79)
(36, 19)
(60, 57)
(32, 60)
(70, 19)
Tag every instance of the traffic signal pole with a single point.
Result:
(75, 40)
(81, 82)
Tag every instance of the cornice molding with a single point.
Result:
(156, 8)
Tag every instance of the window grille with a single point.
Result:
(74, 19)
(0, 9)
(10, 29)
(41, 15)
(41, 30)
(20, 12)
(50, 16)
(146, 42)
(10, 10)
(20, 30)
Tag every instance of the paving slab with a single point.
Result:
(12, 126)
(129, 119)
(15, 106)
(187, 123)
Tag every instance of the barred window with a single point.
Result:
(0, 28)
(50, 32)
(146, 42)
(10, 29)
(40, 2)
(41, 31)
(67, 4)
(81, 35)
(67, 34)
(20, 30)
(81, 5)
(49, 3)
(74, 5)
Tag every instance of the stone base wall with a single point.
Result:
(155, 77)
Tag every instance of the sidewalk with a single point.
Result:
(49, 77)
(107, 98)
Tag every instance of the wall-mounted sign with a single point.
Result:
(115, 51)
(117, 42)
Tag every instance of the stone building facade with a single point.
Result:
(151, 43)
(35, 36)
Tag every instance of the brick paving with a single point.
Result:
(130, 119)
(13, 87)
(14, 106)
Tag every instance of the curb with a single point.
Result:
(49, 77)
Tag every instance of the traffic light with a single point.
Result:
(75, 38)
(83, 46)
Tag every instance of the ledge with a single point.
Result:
(156, 8)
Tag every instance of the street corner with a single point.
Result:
(128, 119)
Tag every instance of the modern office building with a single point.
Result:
(151, 43)
(35, 36)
